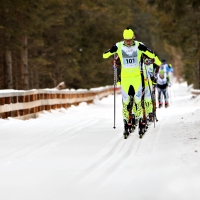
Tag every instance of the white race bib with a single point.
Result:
(129, 56)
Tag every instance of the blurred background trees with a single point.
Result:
(46, 42)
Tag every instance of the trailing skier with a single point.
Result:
(130, 52)
(166, 67)
(151, 70)
(163, 81)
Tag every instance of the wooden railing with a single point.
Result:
(193, 91)
(27, 104)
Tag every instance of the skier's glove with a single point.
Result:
(116, 62)
(119, 78)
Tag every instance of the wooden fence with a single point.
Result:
(193, 91)
(27, 104)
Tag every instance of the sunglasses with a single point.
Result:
(128, 40)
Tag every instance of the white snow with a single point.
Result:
(75, 154)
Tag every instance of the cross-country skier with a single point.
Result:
(130, 54)
(163, 81)
(166, 67)
(151, 71)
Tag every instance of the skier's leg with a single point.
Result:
(131, 118)
(137, 109)
(166, 97)
(126, 98)
(143, 120)
(125, 113)
(148, 100)
(159, 97)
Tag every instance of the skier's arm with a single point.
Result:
(170, 68)
(168, 81)
(149, 53)
(155, 68)
(110, 51)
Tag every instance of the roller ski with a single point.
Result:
(166, 104)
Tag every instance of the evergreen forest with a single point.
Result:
(43, 43)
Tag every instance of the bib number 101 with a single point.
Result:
(129, 61)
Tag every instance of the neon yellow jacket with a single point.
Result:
(130, 57)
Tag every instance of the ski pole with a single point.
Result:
(143, 90)
(115, 80)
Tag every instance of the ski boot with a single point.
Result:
(129, 126)
(146, 125)
(130, 129)
(126, 131)
(160, 104)
(150, 117)
(166, 104)
(134, 122)
(142, 127)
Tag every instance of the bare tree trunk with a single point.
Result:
(16, 69)
(53, 79)
(198, 51)
(31, 77)
(9, 77)
(24, 65)
(199, 73)
(36, 78)
(197, 15)
(3, 72)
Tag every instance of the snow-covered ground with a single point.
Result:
(75, 154)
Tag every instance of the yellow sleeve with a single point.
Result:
(111, 51)
(157, 61)
(107, 54)
(152, 55)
